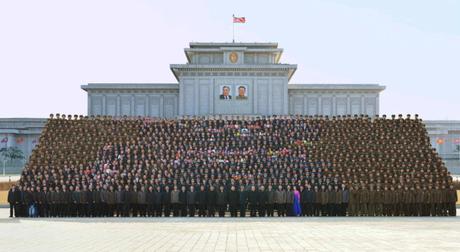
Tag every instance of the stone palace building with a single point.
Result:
(229, 79)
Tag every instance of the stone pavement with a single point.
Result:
(214, 234)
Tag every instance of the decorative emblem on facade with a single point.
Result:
(233, 57)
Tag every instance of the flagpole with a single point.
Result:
(233, 27)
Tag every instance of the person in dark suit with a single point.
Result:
(201, 200)
(191, 201)
(11, 200)
(150, 197)
(253, 201)
(225, 93)
(166, 201)
(211, 201)
(233, 200)
(183, 202)
(221, 201)
(243, 201)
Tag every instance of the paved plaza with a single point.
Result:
(215, 234)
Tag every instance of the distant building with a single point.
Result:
(231, 79)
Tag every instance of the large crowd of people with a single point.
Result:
(259, 166)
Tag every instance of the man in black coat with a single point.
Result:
(262, 197)
(166, 201)
(233, 201)
(11, 200)
(91, 202)
(253, 201)
(270, 201)
(211, 201)
(183, 202)
(126, 201)
(191, 201)
(202, 202)
(243, 197)
(44, 211)
(28, 200)
(150, 198)
(158, 202)
(222, 201)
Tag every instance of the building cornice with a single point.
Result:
(177, 68)
(336, 87)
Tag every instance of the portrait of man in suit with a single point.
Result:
(242, 93)
(225, 95)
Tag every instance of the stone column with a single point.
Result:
(270, 96)
(162, 106)
(363, 109)
(348, 105)
(118, 108)
(334, 105)
(320, 104)
(147, 105)
(132, 112)
(89, 104)
(104, 107)
(377, 105)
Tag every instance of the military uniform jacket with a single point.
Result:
(387, 197)
(364, 196)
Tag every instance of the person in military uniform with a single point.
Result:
(452, 201)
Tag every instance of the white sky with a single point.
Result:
(49, 48)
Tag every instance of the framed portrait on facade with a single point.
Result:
(241, 92)
(225, 92)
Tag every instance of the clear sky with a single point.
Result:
(48, 48)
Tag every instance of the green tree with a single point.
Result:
(10, 154)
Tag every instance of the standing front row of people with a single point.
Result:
(233, 200)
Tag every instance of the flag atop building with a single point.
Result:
(239, 19)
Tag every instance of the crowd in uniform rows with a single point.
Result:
(262, 166)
